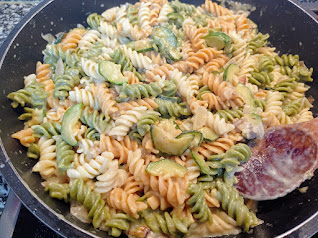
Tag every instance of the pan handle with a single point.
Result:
(10, 215)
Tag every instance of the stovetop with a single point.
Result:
(27, 225)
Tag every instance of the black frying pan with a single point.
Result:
(292, 30)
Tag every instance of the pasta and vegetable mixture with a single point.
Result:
(143, 117)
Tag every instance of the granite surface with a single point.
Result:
(11, 13)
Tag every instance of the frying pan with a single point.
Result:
(292, 30)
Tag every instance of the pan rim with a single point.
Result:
(20, 187)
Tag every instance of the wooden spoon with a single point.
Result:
(284, 158)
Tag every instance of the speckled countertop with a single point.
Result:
(11, 13)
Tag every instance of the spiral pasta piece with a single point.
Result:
(46, 165)
(132, 14)
(120, 57)
(173, 189)
(53, 53)
(88, 39)
(121, 200)
(215, 102)
(156, 57)
(43, 72)
(234, 204)
(91, 69)
(58, 191)
(32, 95)
(91, 200)
(198, 203)
(138, 91)
(64, 84)
(196, 35)
(149, 103)
(94, 119)
(170, 108)
(47, 129)
(132, 186)
(72, 39)
(138, 60)
(218, 124)
(236, 155)
(221, 88)
(111, 178)
(230, 115)
(155, 9)
(144, 16)
(197, 59)
(162, 71)
(131, 31)
(165, 222)
(121, 14)
(215, 65)
(119, 222)
(89, 169)
(107, 29)
(148, 119)
(222, 225)
(81, 95)
(219, 146)
(243, 26)
(273, 103)
(64, 154)
(120, 149)
(304, 115)
(165, 10)
(105, 101)
(125, 122)
(132, 79)
(216, 9)
(25, 137)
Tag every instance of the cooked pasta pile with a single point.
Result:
(143, 116)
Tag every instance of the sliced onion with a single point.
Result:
(200, 117)
(49, 38)
(59, 70)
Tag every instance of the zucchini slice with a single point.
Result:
(167, 42)
(230, 71)
(141, 45)
(196, 135)
(168, 144)
(111, 71)
(166, 35)
(247, 95)
(208, 134)
(217, 40)
(166, 168)
(70, 118)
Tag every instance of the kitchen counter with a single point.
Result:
(11, 12)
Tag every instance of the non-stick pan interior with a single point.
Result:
(291, 31)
